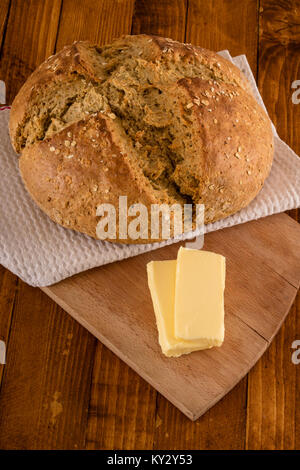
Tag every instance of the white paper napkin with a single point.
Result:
(2, 92)
(41, 252)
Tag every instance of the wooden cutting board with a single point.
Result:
(263, 274)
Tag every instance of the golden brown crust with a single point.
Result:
(92, 161)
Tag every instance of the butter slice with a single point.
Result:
(161, 280)
(199, 296)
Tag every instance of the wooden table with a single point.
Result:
(61, 388)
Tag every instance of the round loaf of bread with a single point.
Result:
(145, 117)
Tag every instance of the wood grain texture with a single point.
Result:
(4, 10)
(8, 287)
(45, 391)
(98, 21)
(273, 394)
(209, 24)
(29, 39)
(113, 303)
(274, 384)
(122, 406)
(268, 242)
(122, 429)
(221, 427)
(154, 18)
(167, 18)
(45, 387)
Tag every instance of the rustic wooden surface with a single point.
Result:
(62, 389)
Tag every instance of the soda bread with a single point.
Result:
(147, 117)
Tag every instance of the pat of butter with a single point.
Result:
(199, 296)
(162, 281)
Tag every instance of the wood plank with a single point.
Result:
(260, 312)
(45, 392)
(122, 415)
(29, 39)
(173, 429)
(134, 431)
(8, 288)
(274, 383)
(115, 298)
(187, 434)
(8, 281)
(192, 383)
(273, 394)
(221, 427)
(225, 24)
(167, 19)
(45, 388)
(98, 21)
(287, 264)
(279, 65)
(209, 24)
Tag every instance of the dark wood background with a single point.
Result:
(61, 388)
